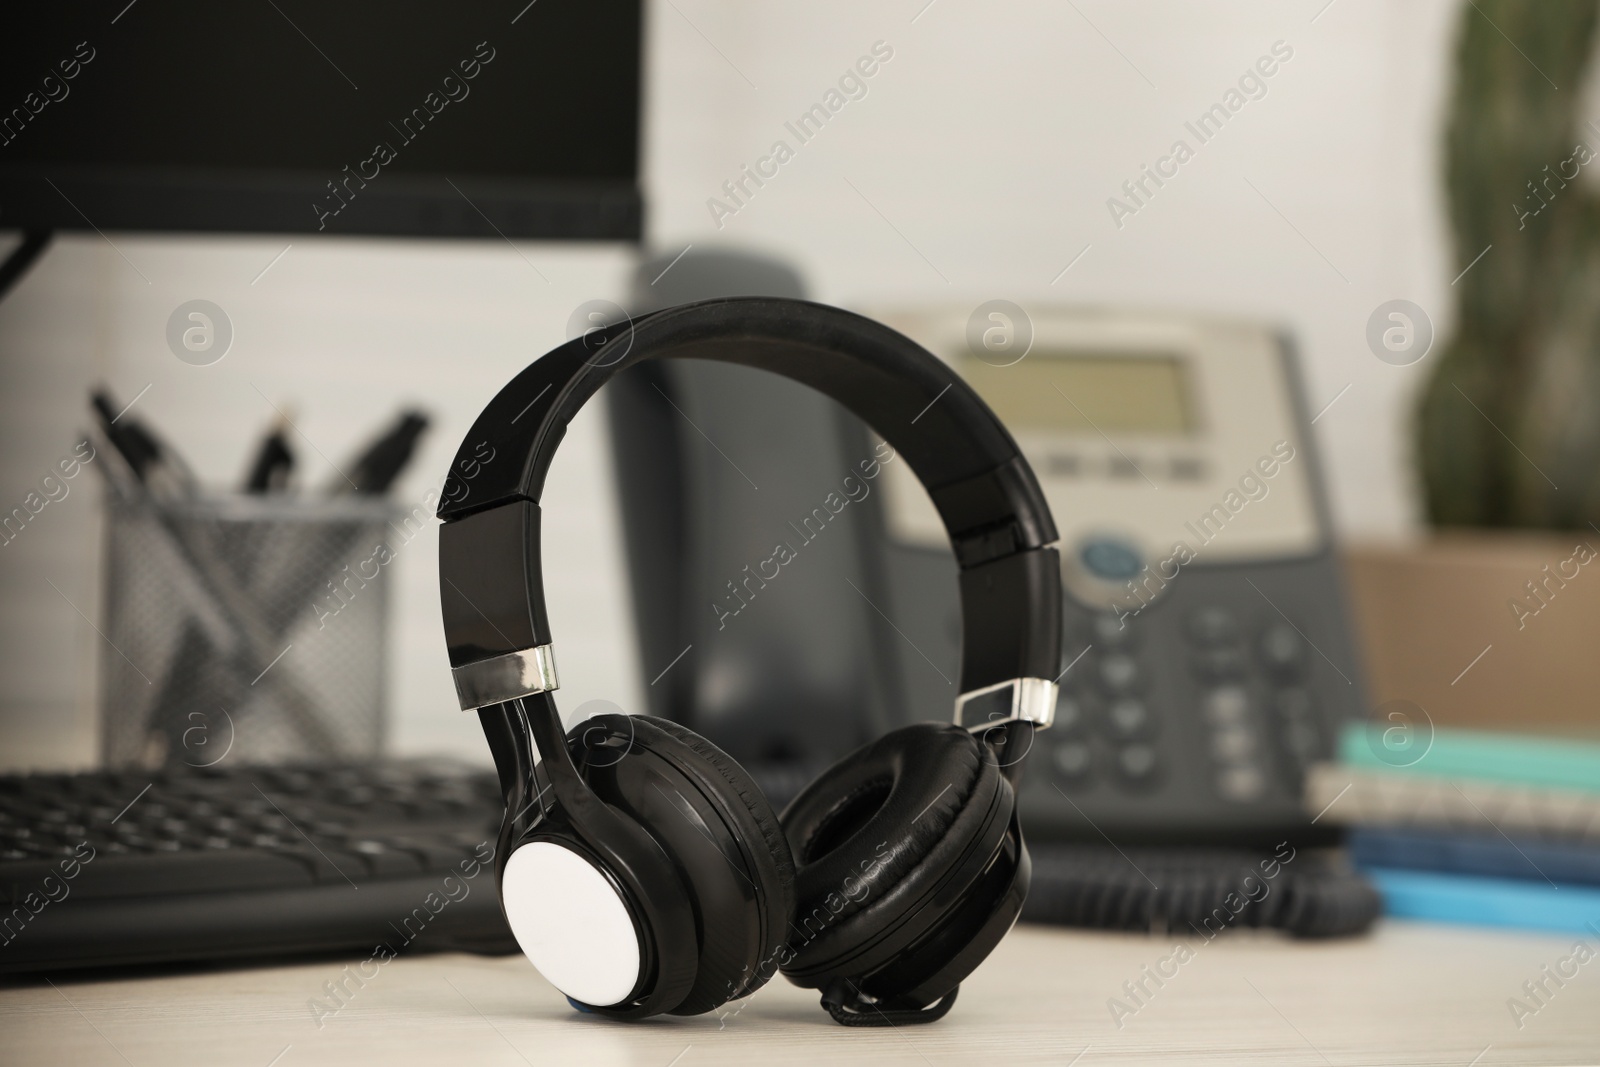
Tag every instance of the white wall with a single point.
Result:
(988, 144)
(993, 138)
(341, 333)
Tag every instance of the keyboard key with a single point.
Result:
(327, 863)
(435, 855)
(205, 842)
(111, 874)
(385, 860)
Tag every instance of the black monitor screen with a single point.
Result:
(467, 118)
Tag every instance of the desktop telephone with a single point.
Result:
(1211, 652)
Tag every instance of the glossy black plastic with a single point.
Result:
(618, 846)
(491, 589)
(1011, 619)
(960, 450)
(953, 948)
(916, 950)
(986, 493)
(649, 820)
(741, 915)
(986, 511)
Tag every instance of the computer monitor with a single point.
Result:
(516, 119)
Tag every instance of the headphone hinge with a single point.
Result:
(1015, 700)
(516, 674)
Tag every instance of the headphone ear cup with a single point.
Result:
(918, 810)
(731, 849)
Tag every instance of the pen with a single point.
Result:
(377, 468)
(153, 462)
(274, 462)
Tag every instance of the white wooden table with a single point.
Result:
(1408, 994)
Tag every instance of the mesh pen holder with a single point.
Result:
(246, 628)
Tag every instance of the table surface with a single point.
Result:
(1409, 993)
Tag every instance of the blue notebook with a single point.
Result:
(1459, 898)
(1489, 855)
(1479, 755)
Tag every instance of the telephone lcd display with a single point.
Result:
(1144, 393)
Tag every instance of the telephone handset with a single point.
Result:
(1211, 657)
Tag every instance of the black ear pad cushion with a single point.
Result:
(748, 815)
(877, 831)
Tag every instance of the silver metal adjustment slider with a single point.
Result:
(1020, 699)
(515, 674)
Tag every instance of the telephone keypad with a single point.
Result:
(1239, 733)
(1241, 783)
(1137, 764)
(1234, 745)
(1106, 630)
(1072, 759)
(1227, 705)
(1283, 651)
(1119, 673)
(1260, 729)
(1213, 626)
(1221, 664)
(1128, 718)
(1069, 714)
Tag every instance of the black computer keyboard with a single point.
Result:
(120, 868)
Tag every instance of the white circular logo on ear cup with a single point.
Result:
(571, 923)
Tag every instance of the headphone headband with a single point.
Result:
(999, 524)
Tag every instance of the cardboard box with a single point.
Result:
(1484, 629)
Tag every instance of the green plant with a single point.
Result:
(1508, 429)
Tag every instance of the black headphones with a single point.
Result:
(640, 868)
